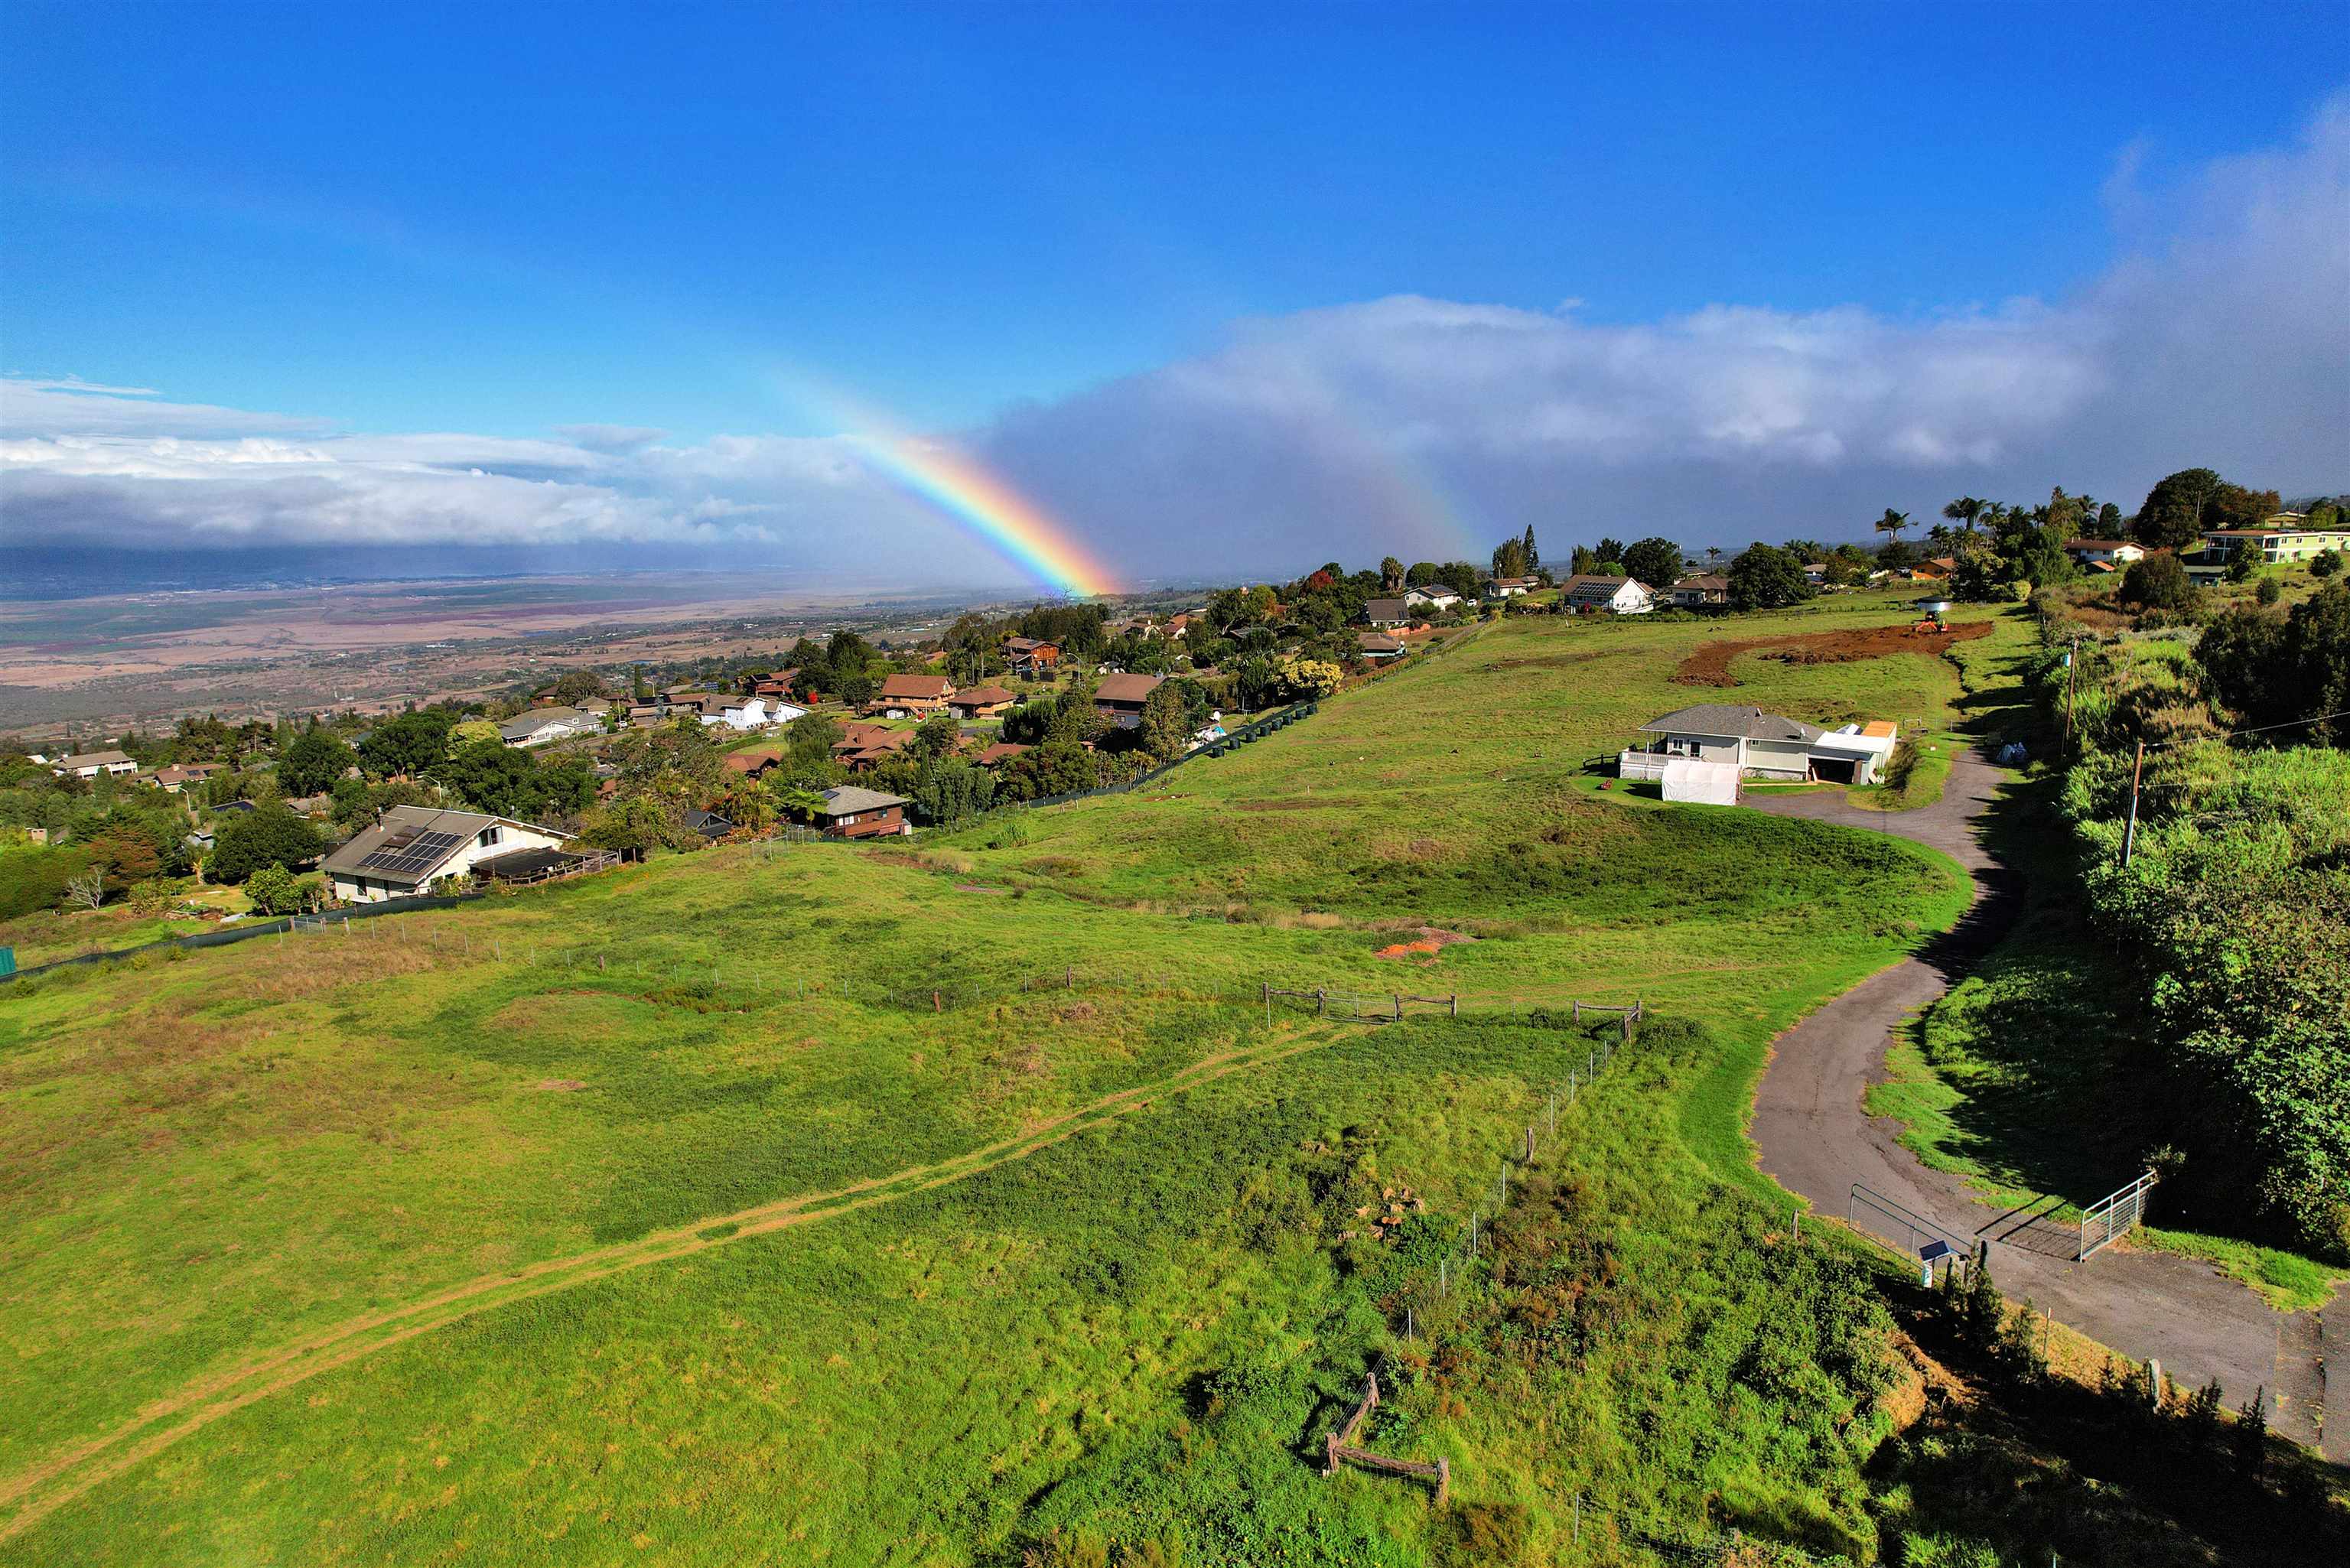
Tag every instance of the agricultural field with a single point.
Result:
(966, 1202)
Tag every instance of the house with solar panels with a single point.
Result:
(413, 846)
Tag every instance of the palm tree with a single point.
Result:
(1892, 523)
(1966, 511)
(800, 798)
(1713, 555)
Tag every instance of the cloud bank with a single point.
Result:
(1413, 425)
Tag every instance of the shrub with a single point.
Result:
(268, 835)
(2158, 582)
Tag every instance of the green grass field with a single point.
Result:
(667, 1213)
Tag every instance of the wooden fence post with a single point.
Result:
(1455, 1000)
(1529, 1146)
(1443, 1480)
(1399, 1006)
(1321, 1001)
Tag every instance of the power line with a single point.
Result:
(2250, 730)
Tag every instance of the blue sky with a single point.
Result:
(505, 221)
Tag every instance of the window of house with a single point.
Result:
(490, 836)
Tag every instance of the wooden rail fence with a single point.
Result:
(1338, 1448)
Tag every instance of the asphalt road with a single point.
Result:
(1816, 1140)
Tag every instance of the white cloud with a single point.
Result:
(1409, 424)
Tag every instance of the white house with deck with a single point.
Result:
(1762, 745)
(413, 846)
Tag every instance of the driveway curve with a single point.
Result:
(1816, 1139)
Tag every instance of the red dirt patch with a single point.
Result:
(1709, 665)
(1429, 941)
(558, 1086)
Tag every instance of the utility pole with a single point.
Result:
(2129, 834)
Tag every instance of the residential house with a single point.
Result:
(172, 779)
(1698, 592)
(849, 812)
(1510, 587)
(1181, 625)
(1119, 698)
(752, 762)
(1933, 569)
(777, 686)
(1761, 744)
(982, 701)
(1378, 647)
(990, 755)
(93, 764)
(1027, 656)
(648, 715)
(2104, 552)
(2275, 545)
(545, 726)
(1585, 592)
(708, 823)
(753, 712)
(410, 847)
(862, 745)
(911, 697)
(1434, 596)
(1388, 612)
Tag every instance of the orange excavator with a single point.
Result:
(1930, 621)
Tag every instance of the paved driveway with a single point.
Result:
(1816, 1140)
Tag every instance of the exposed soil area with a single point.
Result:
(1709, 665)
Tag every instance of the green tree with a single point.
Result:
(410, 743)
(1391, 575)
(275, 890)
(1654, 561)
(1165, 731)
(2326, 563)
(269, 834)
(578, 688)
(2158, 582)
(2172, 518)
(1533, 555)
(491, 776)
(1965, 512)
(1766, 578)
(1891, 524)
(2109, 521)
(1510, 558)
(313, 764)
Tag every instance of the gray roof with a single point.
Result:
(848, 798)
(1388, 609)
(407, 824)
(1728, 721)
(92, 760)
(529, 724)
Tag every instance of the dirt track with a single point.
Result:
(1709, 665)
(42, 1489)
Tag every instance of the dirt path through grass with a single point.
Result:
(34, 1492)
(1816, 1139)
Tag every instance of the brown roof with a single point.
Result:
(1125, 689)
(855, 737)
(1378, 642)
(2096, 544)
(753, 759)
(1713, 582)
(916, 687)
(998, 752)
(1029, 645)
(984, 696)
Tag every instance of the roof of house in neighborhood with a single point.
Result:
(861, 737)
(708, 823)
(753, 759)
(1123, 688)
(984, 696)
(1378, 642)
(1879, 728)
(1388, 609)
(991, 755)
(1733, 720)
(1029, 645)
(2098, 543)
(92, 760)
(537, 718)
(1591, 582)
(1706, 582)
(916, 687)
(848, 799)
(412, 843)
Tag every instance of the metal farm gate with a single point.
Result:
(2110, 1217)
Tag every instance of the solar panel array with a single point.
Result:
(409, 857)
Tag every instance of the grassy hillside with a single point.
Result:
(744, 1211)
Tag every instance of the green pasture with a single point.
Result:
(206, 1157)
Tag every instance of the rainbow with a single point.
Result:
(955, 483)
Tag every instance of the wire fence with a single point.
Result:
(1593, 1524)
